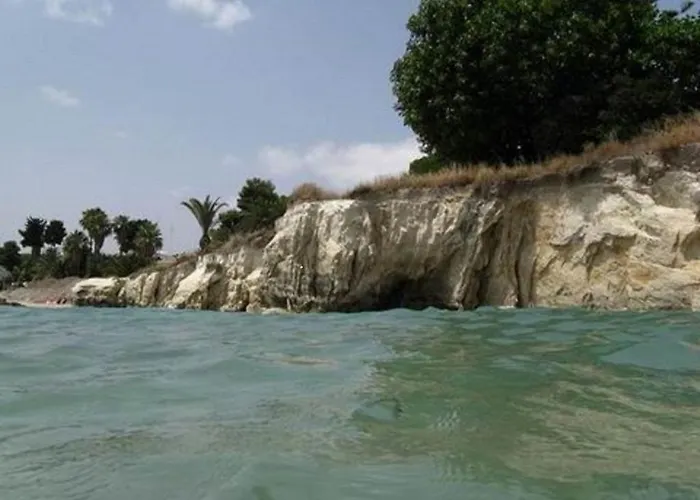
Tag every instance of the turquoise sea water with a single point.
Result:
(491, 404)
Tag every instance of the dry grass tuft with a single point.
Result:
(310, 192)
(668, 135)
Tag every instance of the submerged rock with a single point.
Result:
(622, 235)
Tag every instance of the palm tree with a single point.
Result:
(204, 213)
(148, 240)
(76, 249)
(96, 224)
(122, 229)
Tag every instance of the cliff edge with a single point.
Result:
(618, 234)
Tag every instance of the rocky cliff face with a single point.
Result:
(621, 235)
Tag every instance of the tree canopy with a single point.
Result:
(504, 81)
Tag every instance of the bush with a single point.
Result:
(426, 164)
(308, 192)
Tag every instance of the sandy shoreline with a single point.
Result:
(50, 293)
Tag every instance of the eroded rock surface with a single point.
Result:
(623, 235)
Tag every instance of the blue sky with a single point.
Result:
(134, 105)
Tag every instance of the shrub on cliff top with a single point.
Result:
(516, 81)
(426, 164)
(309, 191)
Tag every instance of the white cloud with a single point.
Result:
(219, 14)
(59, 97)
(342, 166)
(92, 12)
(121, 134)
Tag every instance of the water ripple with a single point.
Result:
(505, 404)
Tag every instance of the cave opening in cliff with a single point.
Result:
(406, 293)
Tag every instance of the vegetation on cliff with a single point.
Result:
(257, 208)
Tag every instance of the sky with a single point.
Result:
(136, 105)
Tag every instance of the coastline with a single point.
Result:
(617, 234)
(622, 234)
(42, 294)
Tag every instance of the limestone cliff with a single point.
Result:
(621, 234)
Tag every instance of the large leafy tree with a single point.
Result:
(204, 212)
(504, 81)
(33, 235)
(10, 256)
(97, 225)
(148, 240)
(55, 233)
(76, 252)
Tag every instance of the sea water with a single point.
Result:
(128, 404)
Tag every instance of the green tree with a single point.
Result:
(55, 233)
(149, 240)
(505, 81)
(204, 213)
(10, 256)
(96, 224)
(259, 204)
(76, 251)
(33, 235)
